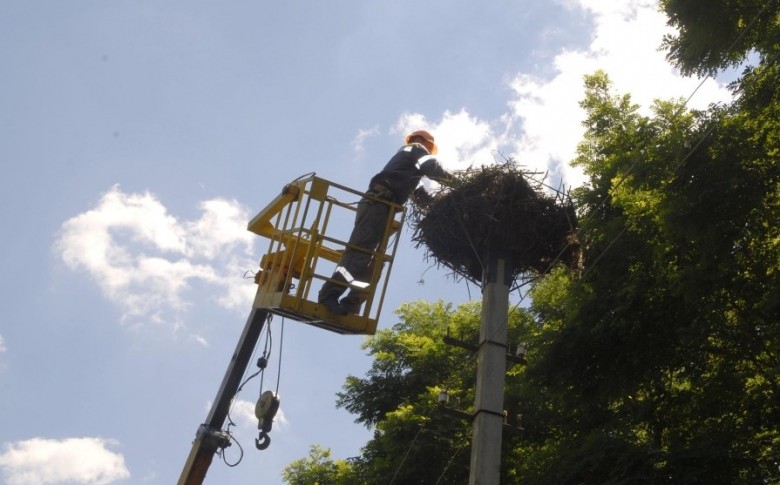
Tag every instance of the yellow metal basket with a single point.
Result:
(302, 253)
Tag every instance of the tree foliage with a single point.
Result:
(318, 469)
(716, 34)
(414, 441)
(660, 361)
(665, 351)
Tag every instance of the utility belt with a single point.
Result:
(381, 191)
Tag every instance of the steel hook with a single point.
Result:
(263, 441)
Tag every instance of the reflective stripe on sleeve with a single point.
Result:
(424, 159)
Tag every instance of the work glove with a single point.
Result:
(421, 198)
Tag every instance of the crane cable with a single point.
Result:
(267, 350)
(279, 369)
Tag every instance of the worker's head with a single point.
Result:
(423, 138)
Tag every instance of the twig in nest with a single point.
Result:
(496, 209)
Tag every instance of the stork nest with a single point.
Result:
(498, 210)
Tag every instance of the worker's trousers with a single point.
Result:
(358, 264)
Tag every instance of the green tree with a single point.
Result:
(716, 34)
(318, 469)
(660, 364)
(414, 441)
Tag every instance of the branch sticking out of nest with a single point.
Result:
(501, 210)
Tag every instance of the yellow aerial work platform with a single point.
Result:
(302, 254)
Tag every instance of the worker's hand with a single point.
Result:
(421, 198)
(447, 180)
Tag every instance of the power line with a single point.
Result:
(588, 220)
(687, 156)
(406, 455)
(452, 458)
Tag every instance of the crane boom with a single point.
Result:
(300, 254)
(210, 436)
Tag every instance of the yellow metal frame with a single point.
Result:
(301, 253)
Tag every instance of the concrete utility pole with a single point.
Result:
(491, 369)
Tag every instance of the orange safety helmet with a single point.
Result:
(425, 136)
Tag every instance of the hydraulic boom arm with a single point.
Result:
(300, 255)
(210, 436)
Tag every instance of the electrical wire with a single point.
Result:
(619, 182)
(686, 157)
(633, 165)
(279, 370)
(406, 455)
(682, 161)
(231, 423)
(240, 456)
(449, 463)
(267, 354)
(693, 149)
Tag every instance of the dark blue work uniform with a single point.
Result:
(394, 183)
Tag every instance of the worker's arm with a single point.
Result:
(431, 168)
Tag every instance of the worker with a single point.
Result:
(395, 183)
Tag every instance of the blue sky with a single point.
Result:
(138, 139)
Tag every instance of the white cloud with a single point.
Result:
(360, 139)
(543, 125)
(221, 227)
(625, 44)
(201, 340)
(3, 348)
(146, 260)
(463, 140)
(243, 413)
(40, 461)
